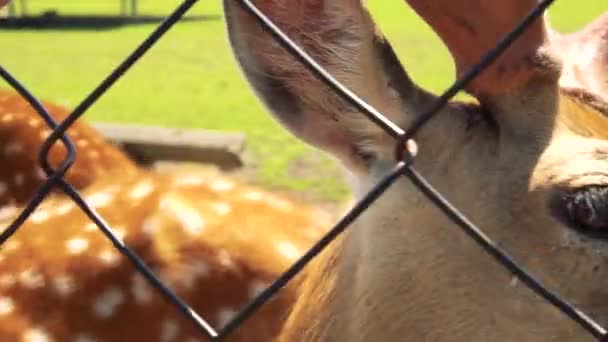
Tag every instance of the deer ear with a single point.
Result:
(471, 28)
(341, 36)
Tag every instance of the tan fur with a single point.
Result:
(403, 271)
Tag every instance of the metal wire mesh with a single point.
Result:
(403, 168)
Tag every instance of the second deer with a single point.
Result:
(214, 241)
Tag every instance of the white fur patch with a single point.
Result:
(108, 302)
(77, 245)
(36, 335)
(31, 279)
(140, 289)
(169, 331)
(7, 306)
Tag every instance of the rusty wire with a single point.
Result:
(404, 167)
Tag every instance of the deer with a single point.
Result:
(213, 241)
(526, 162)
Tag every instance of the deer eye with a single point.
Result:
(587, 209)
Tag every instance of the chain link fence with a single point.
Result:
(404, 167)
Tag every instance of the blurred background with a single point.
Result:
(62, 49)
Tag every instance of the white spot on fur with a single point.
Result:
(90, 227)
(221, 185)
(190, 219)
(169, 330)
(64, 285)
(253, 195)
(7, 306)
(288, 250)
(8, 118)
(189, 180)
(108, 302)
(221, 208)
(142, 189)
(120, 232)
(99, 199)
(256, 287)
(151, 225)
(92, 154)
(193, 271)
(33, 122)
(82, 143)
(64, 208)
(225, 259)
(8, 212)
(31, 279)
(19, 179)
(39, 216)
(45, 133)
(13, 148)
(278, 203)
(140, 289)
(77, 245)
(109, 257)
(36, 335)
(225, 315)
(40, 174)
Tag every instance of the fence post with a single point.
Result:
(133, 8)
(12, 10)
(23, 8)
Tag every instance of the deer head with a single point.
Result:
(22, 132)
(528, 164)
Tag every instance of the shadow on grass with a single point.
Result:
(54, 21)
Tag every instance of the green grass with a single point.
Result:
(191, 80)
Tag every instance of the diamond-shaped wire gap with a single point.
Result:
(486, 60)
(374, 115)
(361, 206)
(139, 264)
(501, 256)
(109, 81)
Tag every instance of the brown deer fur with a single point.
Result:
(512, 164)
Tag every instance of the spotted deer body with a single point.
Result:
(216, 243)
(527, 164)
